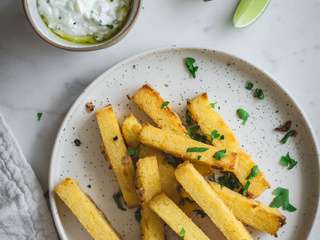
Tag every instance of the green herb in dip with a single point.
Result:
(84, 21)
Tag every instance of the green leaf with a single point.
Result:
(229, 180)
(246, 188)
(291, 133)
(164, 105)
(216, 135)
(197, 149)
(287, 161)
(133, 152)
(39, 115)
(281, 199)
(220, 154)
(189, 62)
(182, 233)
(248, 11)
(213, 105)
(243, 115)
(249, 85)
(258, 93)
(253, 173)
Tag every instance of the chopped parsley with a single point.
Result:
(243, 115)
(213, 105)
(193, 132)
(137, 214)
(284, 127)
(199, 157)
(216, 135)
(246, 188)
(287, 161)
(281, 199)
(220, 154)
(197, 149)
(39, 115)
(249, 85)
(229, 180)
(291, 133)
(164, 105)
(173, 161)
(253, 173)
(133, 153)
(77, 142)
(189, 62)
(117, 197)
(258, 93)
(200, 213)
(182, 233)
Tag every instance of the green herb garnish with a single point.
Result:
(164, 105)
(133, 153)
(216, 135)
(291, 133)
(39, 115)
(193, 132)
(117, 197)
(229, 180)
(199, 157)
(258, 93)
(213, 105)
(189, 62)
(220, 154)
(253, 173)
(287, 161)
(197, 149)
(281, 199)
(137, 214)
(200, 213)
(243, 115)
(246, 188)
(174, 161)
(249, 85)
(182, 233)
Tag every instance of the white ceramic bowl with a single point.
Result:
(47, 35)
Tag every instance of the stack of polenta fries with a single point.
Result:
(160, 188)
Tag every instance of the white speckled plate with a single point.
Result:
(223, 77)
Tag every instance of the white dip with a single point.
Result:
(82, 20)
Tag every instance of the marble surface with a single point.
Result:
(36, 77)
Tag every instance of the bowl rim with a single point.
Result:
(105, 44)
(52, 198)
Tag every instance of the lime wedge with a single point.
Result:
(248, 11)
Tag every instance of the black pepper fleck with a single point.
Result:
(77, 142)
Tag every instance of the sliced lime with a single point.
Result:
(248, 11)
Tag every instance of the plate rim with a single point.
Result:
(53, 206)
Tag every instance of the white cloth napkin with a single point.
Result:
(24, 212)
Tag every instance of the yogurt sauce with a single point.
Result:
(84, 20)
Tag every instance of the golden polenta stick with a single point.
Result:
(149, 185)
(249, 211)
(177, 220)
(169, 184)
(201, 192)
(150, 101)
(116, 151)
(91, 218)
(209, 120)
(185, 147)
(130, 130)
